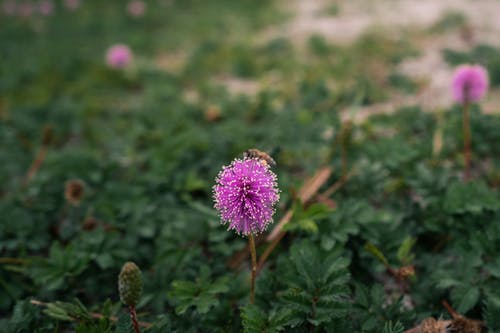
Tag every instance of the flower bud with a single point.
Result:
(130, 284)
(73, 192)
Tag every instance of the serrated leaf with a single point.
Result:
(202, 295)
(124, 323)
(492, 314)
(471, 197)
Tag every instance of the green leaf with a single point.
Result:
(307, 219)
(472, 197)
(404, 252)
(124, 323)
(376, 252)
(317, 284)
(390, 327)
(492, 314)
(465, 298)
(202, 294)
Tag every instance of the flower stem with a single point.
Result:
(133, 316)
(37, 163)
(253, 254)
(345, 132)
(467, 140)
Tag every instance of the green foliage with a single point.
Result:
(450, 20)
(396, 327)
(255, 320)
(124, 323)
(491, 314)
(67, 311)
(470, 198)
(316, 282)
(60, 265)
(304, 219)
(207, 83)
(372, 310)
(202, 294)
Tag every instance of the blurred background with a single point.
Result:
(141, 103)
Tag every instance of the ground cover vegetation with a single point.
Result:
(108, 167)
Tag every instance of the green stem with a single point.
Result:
(467, 141)
(253, 253)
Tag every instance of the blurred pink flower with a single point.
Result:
(470, 83)
(72, 4)
(136, 8)
(118, 56)
(25, 9)
(9, 7)
(46, 7)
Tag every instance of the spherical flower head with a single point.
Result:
(136, 8)
(72, 4)
(9, 7)
(25, 9)
(470, 83)
(118, 56)
(245, 193)
(46, 7)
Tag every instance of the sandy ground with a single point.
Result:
(356, 17)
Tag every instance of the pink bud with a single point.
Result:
(136, 8)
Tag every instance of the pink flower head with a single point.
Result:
(245, 193)
(470, 83)
(25, 9)
(46, 7)
(136, 8)
(72, 4)
(118, 56)
(9, 7)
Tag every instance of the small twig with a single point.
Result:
(37, 163)
(14, 261)
(306, 192)
(269, 250)
(253, 253)
(47, 137)
(454, 314)
(337, 185)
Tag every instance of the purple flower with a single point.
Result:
(72, 4)
(118, 56)
(470, 83)
(9, 7)
(25, 9)
(245, 193)
(46, 7)
(136, 8)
